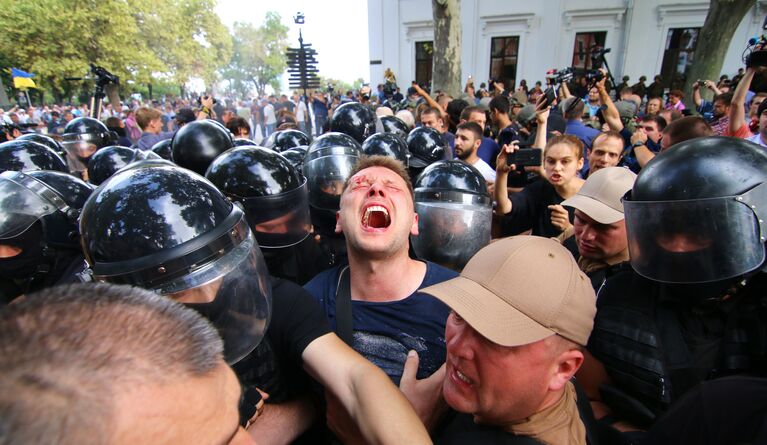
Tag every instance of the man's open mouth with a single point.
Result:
(376, 217)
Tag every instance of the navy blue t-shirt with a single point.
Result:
(384, 332)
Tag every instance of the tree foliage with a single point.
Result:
(139, 40)
(259, 54)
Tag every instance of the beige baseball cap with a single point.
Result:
(600, 196)
(520, 290)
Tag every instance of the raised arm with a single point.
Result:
(696, 95)
(421, 92)
(737, 110)
(611, 114)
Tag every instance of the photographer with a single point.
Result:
(538, 206)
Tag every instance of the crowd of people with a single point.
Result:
(570, 263)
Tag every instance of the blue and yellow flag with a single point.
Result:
(22, 79)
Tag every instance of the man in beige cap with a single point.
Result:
(522, 313)
(598, 235)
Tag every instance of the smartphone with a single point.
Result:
(525, 157)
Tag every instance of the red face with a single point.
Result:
(481, 375)
(599, 241)
(377, 213)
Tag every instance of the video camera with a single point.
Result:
(554, 76)
(594, 76)
(755, 53)
(100, 75)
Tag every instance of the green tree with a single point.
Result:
(139, 40)
(712, 43)
(259, 54)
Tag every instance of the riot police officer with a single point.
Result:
(327, 164)
(393, 124)
(355, 119)
(694, 306)
(82, 137)
(275, 198)
(109, 160)
(426, 146)
(454, 213)
(284, 139)
(39, 242)
(25, 155)
(387, 144)
(166, 229)
(198, 143)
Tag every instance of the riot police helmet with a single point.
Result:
(328, 162)
(38, 219)
(198, 143)
(167, 229)
(109, 160)
(272, 192)
(83, 136)
(163, 149)
(26, 155)
(296, 156)
(355, 119)
(43, 139)
(284, 139)
(455, 213)
(393, 124)
(240, 142)
(386, 144)
(426, 146)
(696, 213)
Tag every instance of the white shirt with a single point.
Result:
(269, 117)
(300, 111)
(487, 172)
(757, 139)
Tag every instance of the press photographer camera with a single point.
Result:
(755, 53)
(554, 76)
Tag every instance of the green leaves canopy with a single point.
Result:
(138, 40)
(258, 56)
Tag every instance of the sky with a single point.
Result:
(337, 30)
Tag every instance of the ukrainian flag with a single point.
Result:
(22, 79)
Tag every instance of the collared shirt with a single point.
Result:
(757, 139)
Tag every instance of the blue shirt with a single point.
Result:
(585, 134)
(488, 151)
(384, 332)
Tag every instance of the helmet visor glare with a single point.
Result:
(449, 234)
(234, 294)
(280, 220)
(20, 207)
(79, 149)
(326, 176)
(695, 241)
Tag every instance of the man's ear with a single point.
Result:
(580, 163)
(338, 222)
(566, 365)
(414, 227)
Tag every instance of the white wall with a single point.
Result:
(636, 33)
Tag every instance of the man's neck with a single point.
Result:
(381, 280)
(472, 158)
(503, 121)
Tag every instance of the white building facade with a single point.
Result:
(513, 40)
